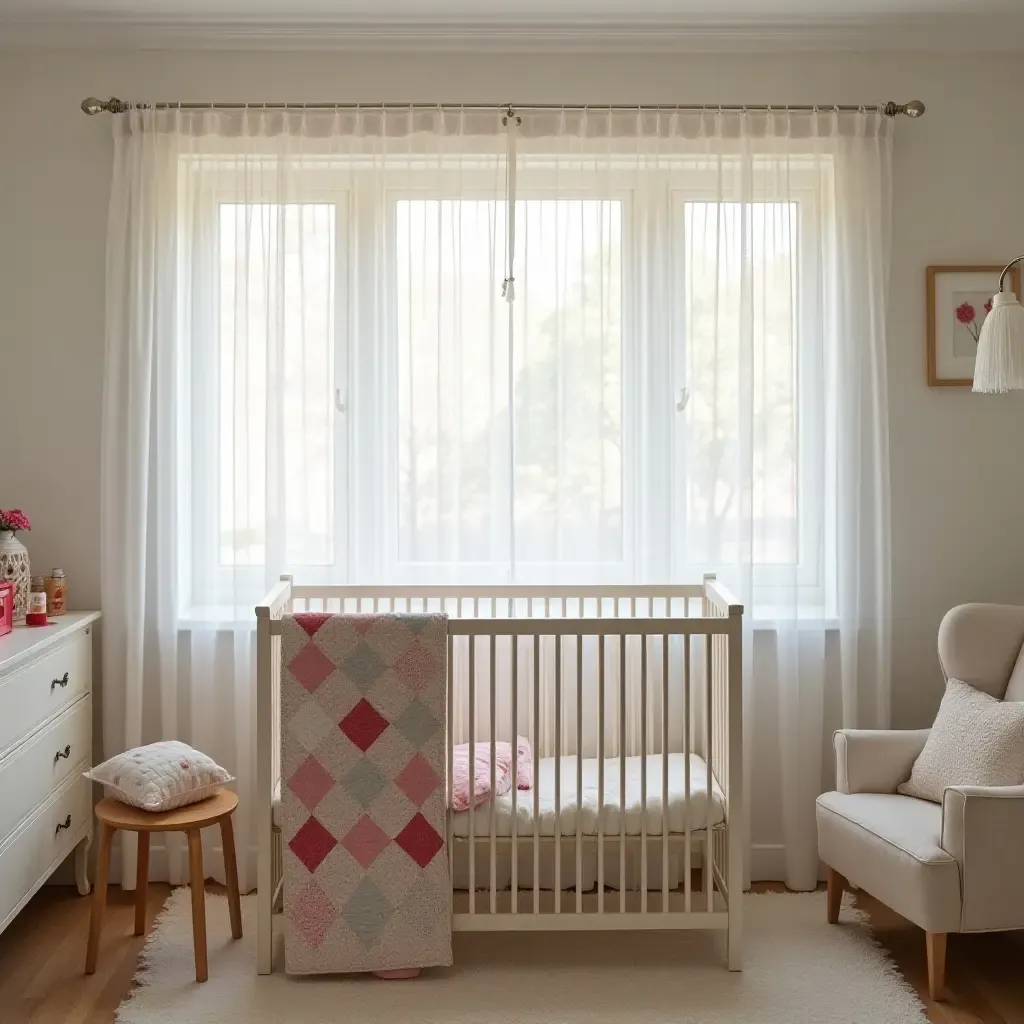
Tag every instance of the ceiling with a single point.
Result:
(504, 24)
(506, 10)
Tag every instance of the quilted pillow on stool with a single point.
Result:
(160, 776)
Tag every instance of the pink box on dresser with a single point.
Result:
(6, 606)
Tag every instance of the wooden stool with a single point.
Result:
(114, 815)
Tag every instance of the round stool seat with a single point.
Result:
(133, 819)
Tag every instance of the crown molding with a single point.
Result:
(972, 33)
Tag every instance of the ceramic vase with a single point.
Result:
(14, 567)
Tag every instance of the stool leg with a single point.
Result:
(196, 881)
(141, 883)
(99, 898)
(227, 838)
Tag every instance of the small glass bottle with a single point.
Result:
(56, 593)
(36, 615)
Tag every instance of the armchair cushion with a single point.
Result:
(890, 846)
(875, 760)
(983, 828)
(977, 740)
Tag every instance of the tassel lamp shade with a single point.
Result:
(1000, 362)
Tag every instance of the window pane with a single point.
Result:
(276, 434)
(568, 383)
(742, 328)
(455, 502)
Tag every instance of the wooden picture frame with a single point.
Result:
(954, 293)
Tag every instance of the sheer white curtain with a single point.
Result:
(310, 367)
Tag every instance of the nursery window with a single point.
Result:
(362, 404)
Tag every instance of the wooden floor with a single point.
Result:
(42, 955)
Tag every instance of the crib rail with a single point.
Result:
(605, 673)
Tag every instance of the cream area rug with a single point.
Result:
(799, 970)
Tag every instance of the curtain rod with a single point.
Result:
(914, 109)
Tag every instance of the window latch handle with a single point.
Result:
(339, 401)
(682, 397)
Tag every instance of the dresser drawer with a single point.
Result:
(32, 852)
(31, 772)
(30, 695)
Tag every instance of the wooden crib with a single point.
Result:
(622, 812)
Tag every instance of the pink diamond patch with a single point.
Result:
(366, 840)
(310, 667)
(418, 780)
(417, 667)
(311, 782)
(311, 621)
(312, 914)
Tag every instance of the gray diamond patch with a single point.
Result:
(367, 911)
(363, 666)
(417, 723)
(364, 782)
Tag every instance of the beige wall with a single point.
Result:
(957, 465)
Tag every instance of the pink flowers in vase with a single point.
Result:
(966, 315)
(14, 519)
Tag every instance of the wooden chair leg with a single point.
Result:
(197, 878)
(936, 945)
(836, 885)
(99, 898)
(227, 837)
(141, 883)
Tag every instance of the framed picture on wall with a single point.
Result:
(959, 299)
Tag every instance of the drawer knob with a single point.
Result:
(63, 681)
(66, 823)
(66, 752)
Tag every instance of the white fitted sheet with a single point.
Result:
(613, 804)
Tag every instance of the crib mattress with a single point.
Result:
(613, 805)
(615, 809)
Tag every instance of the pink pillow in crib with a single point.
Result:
(482, 772)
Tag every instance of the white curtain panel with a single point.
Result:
(311, 368)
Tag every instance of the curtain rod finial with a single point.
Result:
(915, 108)
(112, 106)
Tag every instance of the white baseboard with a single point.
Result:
(767, 862)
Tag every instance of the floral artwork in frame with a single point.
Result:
(959, 299)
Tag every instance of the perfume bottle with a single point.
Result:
(56, 593)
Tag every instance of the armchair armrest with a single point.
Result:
(983, 829)
(875, 760)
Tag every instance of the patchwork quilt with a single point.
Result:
(363, 718)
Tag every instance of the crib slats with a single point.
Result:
(600, 768)
(707, 867)
(664, 768)
(536, 773)
(643, 775)
(492, 677)
(449, 819)
(687, 857)
(515, 770)
(622, 774)
(472, 773)
(579, 771)
(558, 773)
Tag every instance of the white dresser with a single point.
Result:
(45, 745)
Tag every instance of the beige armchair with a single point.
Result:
(954, 867)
